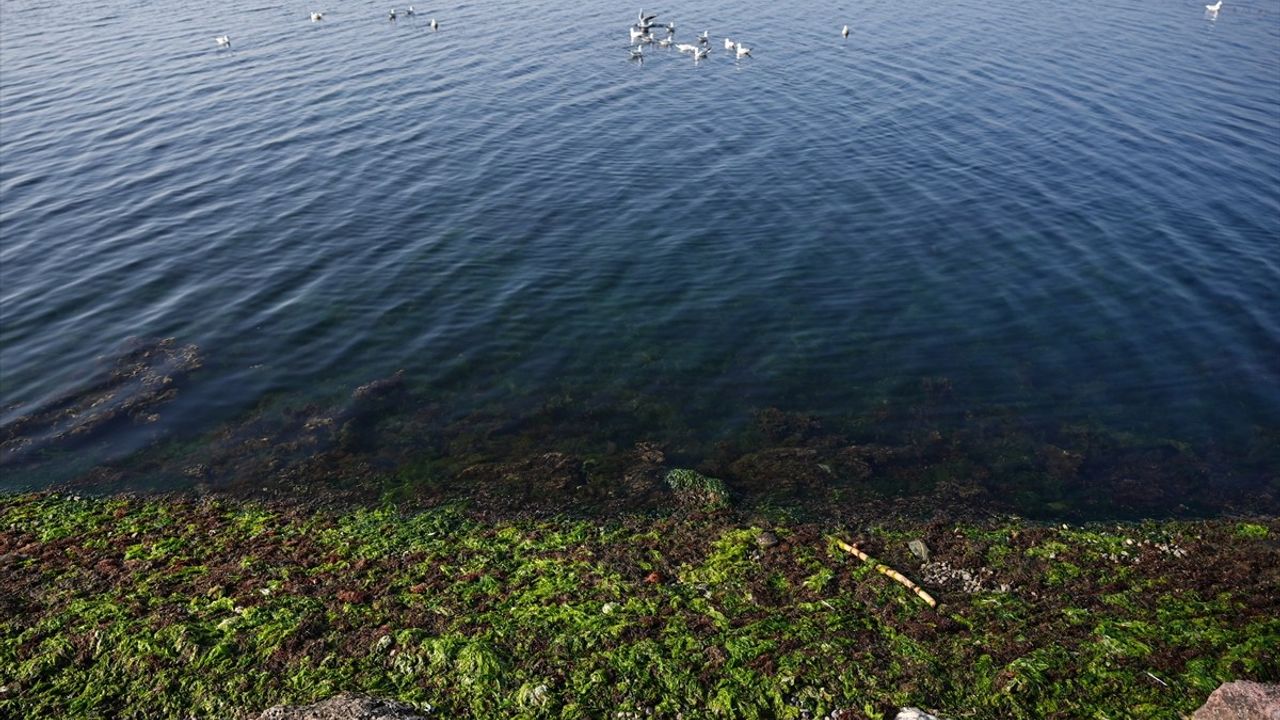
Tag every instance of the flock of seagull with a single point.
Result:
(225, 40)
(642, 34)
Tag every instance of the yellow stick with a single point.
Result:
(886, 570)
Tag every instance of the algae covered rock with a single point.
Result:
(694, 488)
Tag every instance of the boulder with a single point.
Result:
(347, 706)
(1241, 700)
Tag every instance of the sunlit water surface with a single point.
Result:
(1072, 208)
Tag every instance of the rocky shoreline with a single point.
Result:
(175, 606)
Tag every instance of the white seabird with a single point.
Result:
(434, 25)
(392, 16)
(686, 47)
(705, 37)
(700, 53)
(742, 50)
(637, 53)
(409, 10)
(728, 44)
(317, 16)
(845, 31)
(223, 40)
(1214, 8)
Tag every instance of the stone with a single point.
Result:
(1241, 700)
(766, 539)
(914, 714)
(919, 549)
(347, 706)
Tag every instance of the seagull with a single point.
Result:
(728, 44)
(434, 25)
(638, 34)
(645, 19)
(700, 53)
(393, 14)
(742, 50)
(671, 27)
(223, 40)
(409, 10)
(665, 42)
(1214, 8)
(317, 16)
(845, 31)
(704, 38)
(637, 53)
(686, 47)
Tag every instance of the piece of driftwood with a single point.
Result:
(886, 570)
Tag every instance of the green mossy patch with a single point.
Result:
(172, 607)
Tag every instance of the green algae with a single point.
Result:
(130, 608)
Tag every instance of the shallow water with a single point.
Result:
(1071, 210)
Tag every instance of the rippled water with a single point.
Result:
(1070, 208)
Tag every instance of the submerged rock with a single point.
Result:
(144, 376)
(1241, 700)
(347, 706)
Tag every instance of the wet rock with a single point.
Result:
(145, 375)
(347, 706)
(1241, 700)
(919, 549)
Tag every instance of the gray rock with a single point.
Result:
(914, 714)
(347, 706)
(919, 549)
(1241, 700)
(766, 539)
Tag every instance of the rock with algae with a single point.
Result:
(694, 488)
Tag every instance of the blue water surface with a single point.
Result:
(1070, 208)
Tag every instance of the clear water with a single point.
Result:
(1069, 208)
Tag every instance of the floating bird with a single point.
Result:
(645, 19)
(223, 40)
(409, 10)
(700, 53)
(637, 53)
(704, 38)
(728, 44)
(638, 34)
(434, 25)
(686, 47)
(392, 16)
(845, 31)
(671, 27)
(665, 42)
(317, 16)
(742, 50)
(1214, 8)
